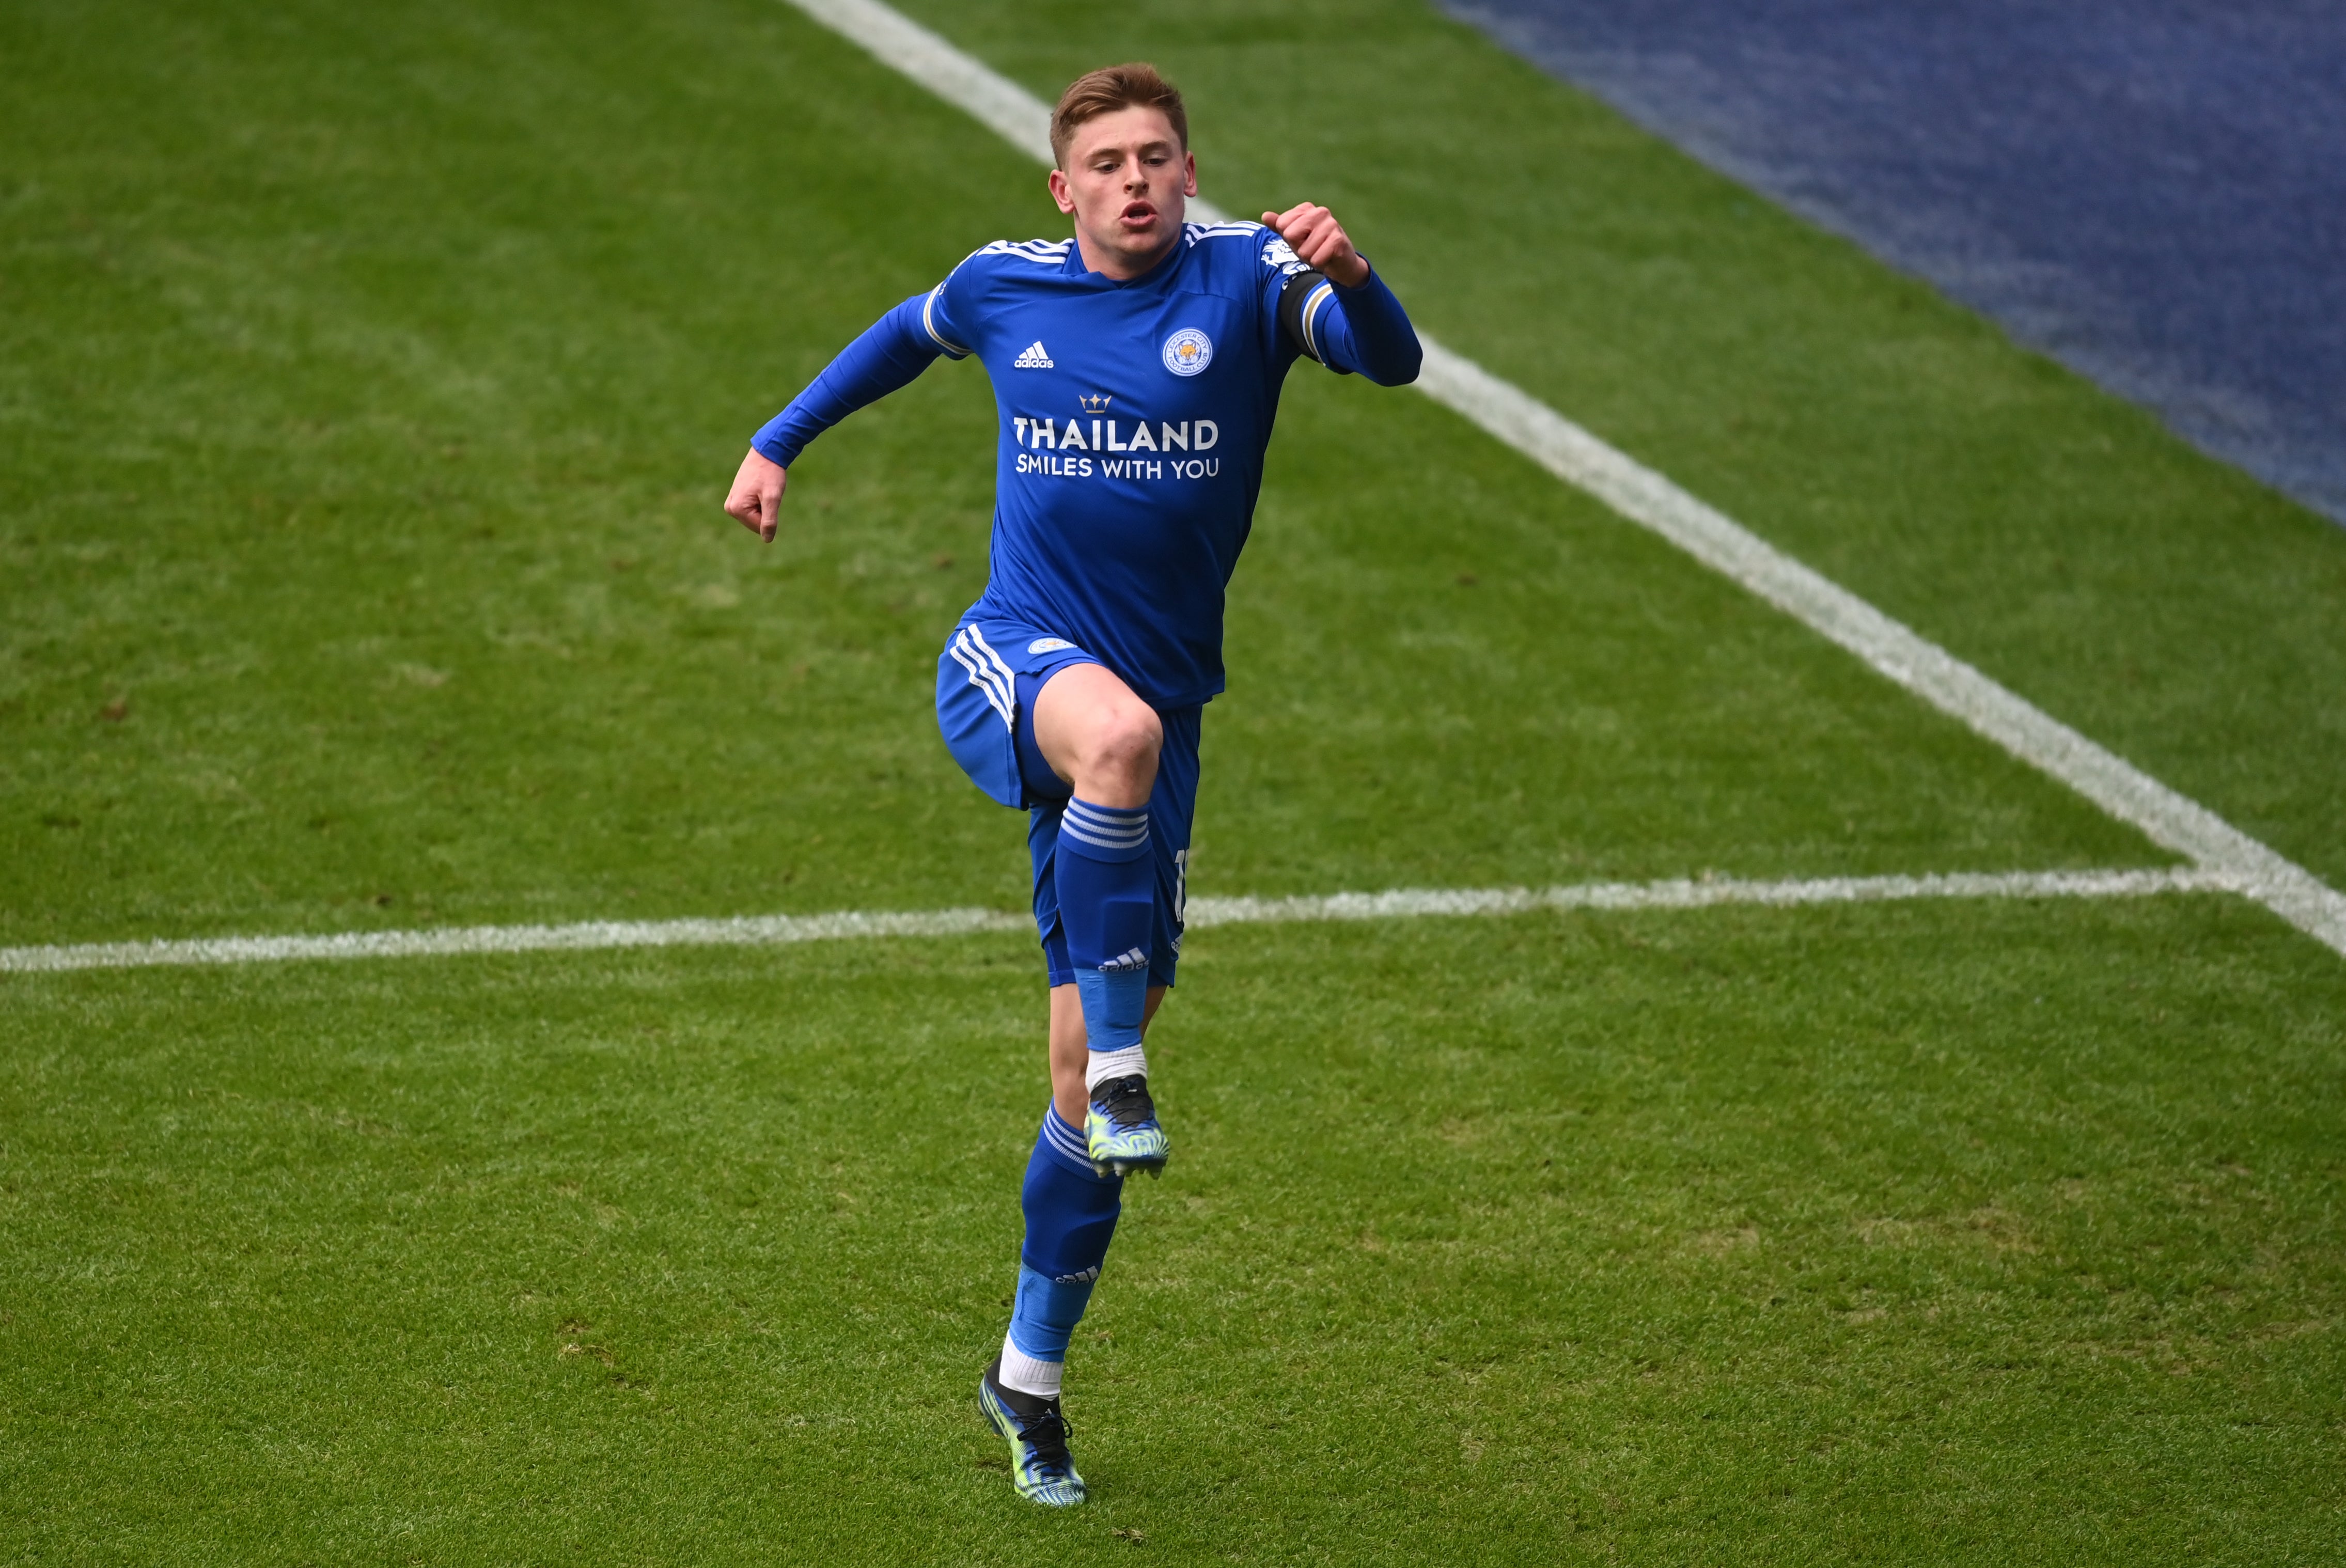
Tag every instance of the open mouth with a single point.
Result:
(1139, 214)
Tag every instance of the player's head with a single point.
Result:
(1122, 141)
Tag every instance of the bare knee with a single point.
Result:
(1100, 736)
(1126, 740)
(1115, 755)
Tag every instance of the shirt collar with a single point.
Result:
(1075, 268)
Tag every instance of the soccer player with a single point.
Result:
(1137, 370)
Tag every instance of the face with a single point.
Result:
(1126, 182)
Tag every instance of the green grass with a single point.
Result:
(367, 383)
(1914, 1234)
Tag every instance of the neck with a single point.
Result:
(1121, 265)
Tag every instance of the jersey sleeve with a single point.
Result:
(947, 305)
(899, 347)
(954, 316)
(1275, 265)
(895, 351)
(1360, 330)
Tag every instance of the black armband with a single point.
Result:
(1302, 302)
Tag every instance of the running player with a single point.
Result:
(1137, 370)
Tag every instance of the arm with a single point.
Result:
(896, 350)
(1340, 312)
(1362, 330)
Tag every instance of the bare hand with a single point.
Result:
(756, 502)
(1319, 241)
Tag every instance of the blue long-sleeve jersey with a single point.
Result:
(1134, 419)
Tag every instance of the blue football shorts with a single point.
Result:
(986, 681)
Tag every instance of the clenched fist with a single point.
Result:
(1319, 242)
(756, 502)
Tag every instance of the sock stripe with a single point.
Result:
(1125, 814)
(1137, 833)
(1104, 828)
(1108, 816)
(1065, 1139)
(1100, 841)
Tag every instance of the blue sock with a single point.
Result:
(1108, 906)
(1071, 1214)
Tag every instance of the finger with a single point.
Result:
(1325, 240)
(1288, 222)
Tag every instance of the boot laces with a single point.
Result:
(1045, 1434)
(1126, 1102)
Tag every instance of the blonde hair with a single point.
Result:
(1135, 84)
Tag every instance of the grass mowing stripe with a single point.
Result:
(1650, 500)
(1399, 903)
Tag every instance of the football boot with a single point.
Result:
(1040, 1466)
(1121, 1130)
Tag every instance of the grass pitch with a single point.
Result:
(367, 386)
(1868, 1235)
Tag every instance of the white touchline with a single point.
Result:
(1401, 903)
(1710, 536)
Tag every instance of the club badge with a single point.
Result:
(1187, 351)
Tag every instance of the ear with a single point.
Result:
(1190, 174)
(1062, 192)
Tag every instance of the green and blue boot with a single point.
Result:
(1040, 1466)
(1120, 1128)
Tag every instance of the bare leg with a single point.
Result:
(1098, 736)
(1069, 1050)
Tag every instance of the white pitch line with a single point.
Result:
(1401, 903)
(749, 931)
(1708, 893)
(1645, 497)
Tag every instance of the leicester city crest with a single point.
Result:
(1187, 351)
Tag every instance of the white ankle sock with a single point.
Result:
(1028, 1375)
(1107, 1065)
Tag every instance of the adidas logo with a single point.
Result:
(1131, 960)
(1036, 357)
